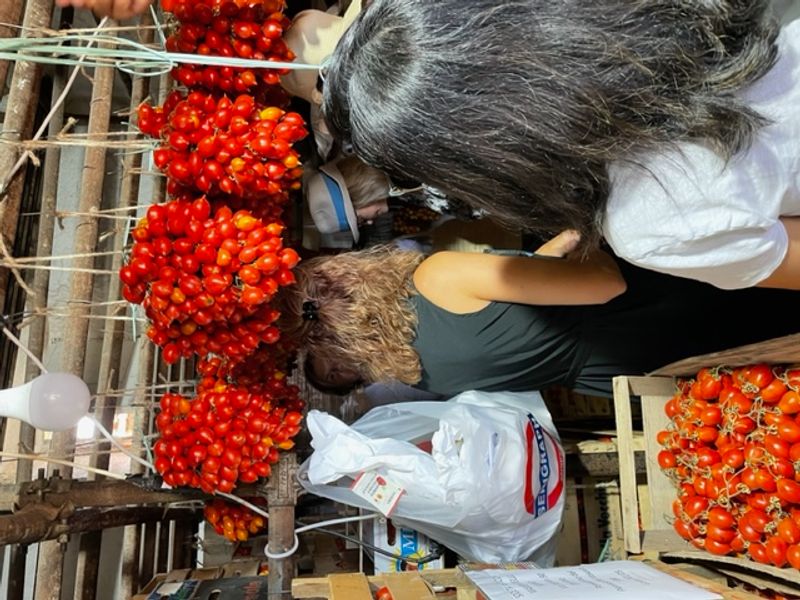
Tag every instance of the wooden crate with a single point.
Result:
(647, 510)
(435, 584)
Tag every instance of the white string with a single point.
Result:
(119, 446)
(66, 463)
(244, 502)
(126, 55)
(22, 347)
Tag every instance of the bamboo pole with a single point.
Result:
(37, 303)
(113, 336)
(50, 570)
(17, 126)
(132, 537)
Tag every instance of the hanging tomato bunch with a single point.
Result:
(733, 450)
(252, 31)
(227, 434)
(206, 280)
(243, 414)
(234, 521)
(223, 146)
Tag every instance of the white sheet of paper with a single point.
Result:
(614, 580)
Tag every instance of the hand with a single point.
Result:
(561, 245)
(116, 9)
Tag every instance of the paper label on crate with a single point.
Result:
(378, 491)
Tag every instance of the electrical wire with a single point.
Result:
(296, 545)
(435, 553)
(119, 446)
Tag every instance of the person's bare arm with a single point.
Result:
(561, 245)
(465, 282)
(116, 9)
(787, 275)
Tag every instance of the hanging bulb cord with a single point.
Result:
(7, 326)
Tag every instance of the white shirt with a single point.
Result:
(684, 211)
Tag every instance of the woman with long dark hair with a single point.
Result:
(669, 127)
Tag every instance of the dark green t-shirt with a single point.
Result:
(658, 320)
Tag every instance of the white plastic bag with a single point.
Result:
(492, 489)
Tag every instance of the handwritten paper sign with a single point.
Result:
(615, 580)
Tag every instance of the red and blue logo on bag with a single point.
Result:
(544, 466)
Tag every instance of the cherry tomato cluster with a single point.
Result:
(733, 451)
(413, 219)
(242, 30)
(264, 370)
(225, 435)
(234, 521)
(206, 280)
(223, 146)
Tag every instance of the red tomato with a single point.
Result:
(773, 392)
(789, 403)
(788, 429)
(788, 490)
(758, 553)
(720, 534)
(788, 530)
(695, 505)
(793, 556)
(716, 547)
(383, 593)
(776, 551)
(666, 460)
(720, 517)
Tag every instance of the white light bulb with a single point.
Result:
(52, 402)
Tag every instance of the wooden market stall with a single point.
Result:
(82, 518)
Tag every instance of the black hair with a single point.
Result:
(518, 107)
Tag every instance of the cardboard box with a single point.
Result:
(402, 543)
(591, 522)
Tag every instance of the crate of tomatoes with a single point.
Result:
(721, 434)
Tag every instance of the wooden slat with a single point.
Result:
(310, 587)
(664, 540)
(651, 386)
(349, 586)
(408, 586)
(779, 350)
(627, 466)
(661, 491)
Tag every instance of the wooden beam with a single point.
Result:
(281, 492)
(18, 126)
(37, 523)
(49, 574)
(86, 494)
